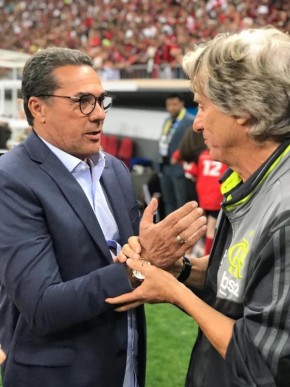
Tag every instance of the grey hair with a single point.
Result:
(246, 75)
(38, 73)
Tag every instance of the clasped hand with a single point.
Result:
(158, 242)
(158, 286)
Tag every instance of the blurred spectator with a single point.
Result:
(207, 173)
(152, 33)
(109, 72)
(172, 180)
(191, 145)
(203, 173)
(5, 134)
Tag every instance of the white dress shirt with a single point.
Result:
(88, 176)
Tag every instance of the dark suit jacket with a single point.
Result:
(56, 271)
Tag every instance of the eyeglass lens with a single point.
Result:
(88, 103)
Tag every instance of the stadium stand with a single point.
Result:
(136, 38)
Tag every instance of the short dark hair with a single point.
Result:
(191, 145)
(179, 96)
(38, 77)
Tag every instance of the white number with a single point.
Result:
(212, 168)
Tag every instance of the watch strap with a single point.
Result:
(185, 271)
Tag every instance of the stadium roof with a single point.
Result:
(12, 59)
(133, 85)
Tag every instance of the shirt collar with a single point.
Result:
(71, 162)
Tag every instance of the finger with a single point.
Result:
(125, 308)
(184, 212)
(138, 264)
(134, 243)
(120, 257)
(197, 234)
(123, 299)
(148, 214)
(129, 252)
(188, 219)
(189, 228)
(190, 242)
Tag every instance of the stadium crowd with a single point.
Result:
(153, 34)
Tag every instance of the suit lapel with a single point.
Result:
(70, 188)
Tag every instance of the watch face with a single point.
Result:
(137, 274)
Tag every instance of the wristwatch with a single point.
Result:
(137, 274)
(185, 271)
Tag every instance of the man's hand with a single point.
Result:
(165, 242)
(158, 286)
(2, 356)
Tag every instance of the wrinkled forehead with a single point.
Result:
(77, 79)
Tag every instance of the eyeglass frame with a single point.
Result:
(79, 100)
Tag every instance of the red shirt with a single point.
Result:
(207, 174)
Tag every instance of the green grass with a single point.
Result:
(171, 335)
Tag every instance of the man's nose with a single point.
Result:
(198, 122)
(98, 113)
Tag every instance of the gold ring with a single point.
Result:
(179, 239)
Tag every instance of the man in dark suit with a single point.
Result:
(66, 207)
(174, 184)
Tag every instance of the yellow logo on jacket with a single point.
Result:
(236, 257)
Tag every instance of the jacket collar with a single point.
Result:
(236, 192)
(74, 194)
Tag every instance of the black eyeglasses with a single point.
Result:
(88, 102)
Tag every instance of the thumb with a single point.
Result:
(148, 214)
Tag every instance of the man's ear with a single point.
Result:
(243, 121)
(37, 109)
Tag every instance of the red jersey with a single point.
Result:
(207, 174)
